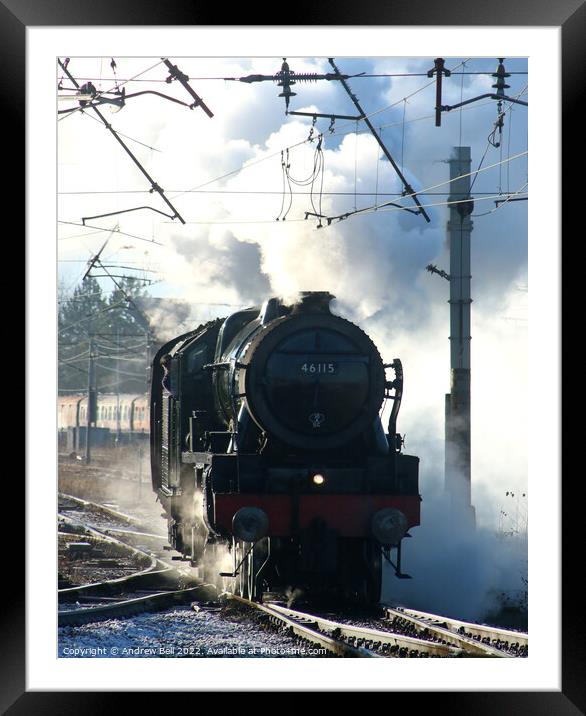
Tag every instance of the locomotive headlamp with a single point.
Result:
(318, 479)
(389, 526)
(250, 524)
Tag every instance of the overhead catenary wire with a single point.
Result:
(367, 116)
(90, 316)
(179, 192)
(78, 356)
(477, 171)
(115, 231)
(457, 201)
(490, 143)
(82, 236)
(272, 155)
(176, 193)
(505, 201)
(461, 98)
(74, 367)
(366, 120)
(366, 210)
(241, 168)
(403, 136)
(272, 192)
(126, 136)
(322, 193)
(154, 186)
(118, 370)
(391, 206)
(377, 207)
(374, 207)
(108, 352)
(117, 85)
(361, 76)
(82, 298)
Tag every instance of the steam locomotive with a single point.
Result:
(269, 456)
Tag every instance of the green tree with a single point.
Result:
(118, 333)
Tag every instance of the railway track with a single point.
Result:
(160, 585)
(431, 635)
(349, 640)
(129, 605)
(305, 627)
(476, 638)
(403, 633)
(108, 511)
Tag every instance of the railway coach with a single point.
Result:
(124, 417)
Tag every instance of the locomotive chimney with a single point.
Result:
(313, 302)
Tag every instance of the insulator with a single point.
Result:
(500, 75)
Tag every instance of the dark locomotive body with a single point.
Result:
(266, 440)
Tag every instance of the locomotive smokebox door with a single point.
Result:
(311, 379)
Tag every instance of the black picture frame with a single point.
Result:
(570, 15)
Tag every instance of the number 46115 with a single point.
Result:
(318, 368)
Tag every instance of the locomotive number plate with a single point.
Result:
(323, 368)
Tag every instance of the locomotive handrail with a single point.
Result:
(216, 366)
(397, 385)
(223, 365)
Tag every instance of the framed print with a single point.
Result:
(354, 129)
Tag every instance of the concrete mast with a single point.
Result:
(458, 434)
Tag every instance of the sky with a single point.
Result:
(224, 175)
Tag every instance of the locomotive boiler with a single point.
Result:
(269, 456)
